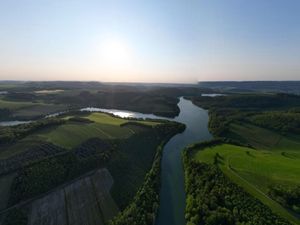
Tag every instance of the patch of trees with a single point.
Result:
(170, 128)
(16, 216)
(285, 122)
(15, 133)
(134, 158)
(129, 98)
(80, 119)
(249, 101)
(47, 174)
(143, 208)
(4, 114)
(135, 123)
(145, 204)
(287, 196)
(255, 108)
(213, 199)
(218, 123)
(20, 96)
(95, 146)
(29, 155)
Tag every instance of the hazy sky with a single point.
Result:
(150, 40)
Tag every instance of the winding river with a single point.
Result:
(172, 195)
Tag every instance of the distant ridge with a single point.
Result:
(263, 86)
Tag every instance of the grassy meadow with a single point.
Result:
(103, 126)
(26, 110)
(262, 138)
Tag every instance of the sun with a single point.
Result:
(116, 53)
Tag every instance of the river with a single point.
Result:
(172, 194)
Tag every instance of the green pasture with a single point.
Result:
(256, 170)
(29, 110)
(264, 139)
(72, 134)
(104, 118)
(18, 147)
(12, 105)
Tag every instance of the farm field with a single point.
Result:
(15, 105)
(256, 170)
(105, 126)
(262, 138)
(76, 202)
(26, 110)
(71, 134)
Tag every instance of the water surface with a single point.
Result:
(13, 123)
(213, 95)
(172, 195)
(123, 113)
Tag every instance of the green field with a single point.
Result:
(262, 138)
(72, 134)
(256, 170)
(12, 105)
(30, 110)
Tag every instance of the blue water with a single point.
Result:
(172, 194)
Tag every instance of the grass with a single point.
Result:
(105, 126)
(104, 118)
(38, 110)
(12, 105)
(262, 138)
(256, 170)
(19, 147)
(72, 134)
(30, 110)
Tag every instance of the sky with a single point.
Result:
(168, 41)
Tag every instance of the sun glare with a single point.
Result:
(116, 53)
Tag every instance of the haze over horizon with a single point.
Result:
(150, 41)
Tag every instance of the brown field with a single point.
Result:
(83, 202)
